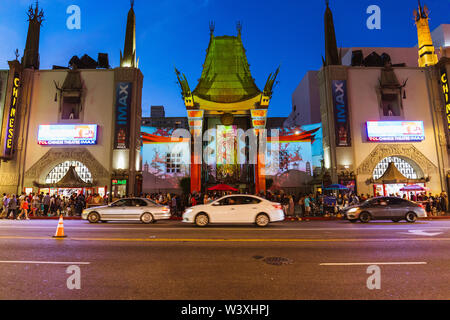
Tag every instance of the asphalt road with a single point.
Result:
(170, 260)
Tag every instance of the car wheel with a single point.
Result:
(411, 217)
(147, 218)
(364, 217)
(93, 217)
(201, 220)
(353, 220)
(262, 220)
(396, 220)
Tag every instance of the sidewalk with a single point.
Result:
(288, 219)
(341, 218)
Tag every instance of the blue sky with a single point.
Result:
(176, 33)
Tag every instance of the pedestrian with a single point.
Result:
(24, 206)
(46, 202)
(307, 203)
(291, 206)
(4, 205)
(12, 207)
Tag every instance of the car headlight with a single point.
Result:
(353, 210)
(187, 211)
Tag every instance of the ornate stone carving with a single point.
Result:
(38, 172)
(403, 151)
(9, 179)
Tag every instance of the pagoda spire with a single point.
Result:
(427, 55)
(128, 59)
(332, 56)
(30, 57)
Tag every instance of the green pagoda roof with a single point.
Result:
(226, 76)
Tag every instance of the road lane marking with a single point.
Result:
(372, 263)
(44, 262)
(423, 233)
(223, 240)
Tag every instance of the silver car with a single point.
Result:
(129, 209)
(385, 208)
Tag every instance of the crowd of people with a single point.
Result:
(301, 205)
(44, 205)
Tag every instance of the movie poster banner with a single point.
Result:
(342, 121)
(123, 115)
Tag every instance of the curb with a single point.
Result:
(286, 220)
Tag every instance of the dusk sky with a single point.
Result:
(176, 33)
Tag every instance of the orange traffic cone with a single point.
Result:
(60, 229)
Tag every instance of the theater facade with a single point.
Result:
(385, 118)
(73, 129)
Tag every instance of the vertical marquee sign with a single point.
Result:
(445, 90)
(340, 104)
(12, 116)
(123, 114)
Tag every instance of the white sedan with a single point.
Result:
(235, 209)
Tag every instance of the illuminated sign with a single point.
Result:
(12, 114)
(395, 131)
(119, 182)
(445, 89)
(342, 123)
(123, 114)
(68, 134)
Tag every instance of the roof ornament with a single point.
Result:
(132, 4)
(35, 14)
(212, 26)
(239, 27)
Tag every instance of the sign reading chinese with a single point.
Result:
(395, 131)
(340, 104)
(12, 115)
(445, 90)
(123, 115)
(68, 134)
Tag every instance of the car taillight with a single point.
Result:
(421, 206)
(277, 206)
(166, 209)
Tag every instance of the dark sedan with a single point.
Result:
(385, 208)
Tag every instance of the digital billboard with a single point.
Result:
(165, 161)
(395, 131)
(68, 134)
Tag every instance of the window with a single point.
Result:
(70, 108)
(123, 203)
(139, 203)
(61, 170)
(173, 162)
(396, 201)
(390, 104)
(249, 200)
(403, 166)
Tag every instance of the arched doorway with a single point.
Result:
(59, 171)
(394, 173)
(406, 166)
